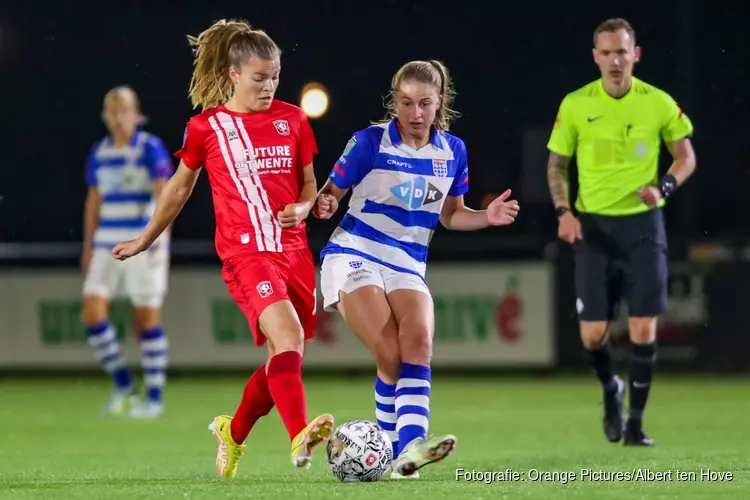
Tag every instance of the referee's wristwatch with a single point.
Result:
(560, 211)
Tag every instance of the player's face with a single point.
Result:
(616, 54)
(120, 115)
(255, 85)
(417, 104)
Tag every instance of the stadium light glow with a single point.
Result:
(314, 100)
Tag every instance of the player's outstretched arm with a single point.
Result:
(174, 195)
(456, 216)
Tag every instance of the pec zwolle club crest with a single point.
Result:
(282, 127)
(440, 167)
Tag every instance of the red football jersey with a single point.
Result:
(255, 165)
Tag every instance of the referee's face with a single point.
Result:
(616, 54)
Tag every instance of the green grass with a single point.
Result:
(53, 443)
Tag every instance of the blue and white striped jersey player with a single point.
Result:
(125, 173)
(406, 175)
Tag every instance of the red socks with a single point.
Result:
(287, 391)
(256, 402)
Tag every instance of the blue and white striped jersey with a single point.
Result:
(124, 177)
(398, 193)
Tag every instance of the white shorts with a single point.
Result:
(142, 278)
(345, 273)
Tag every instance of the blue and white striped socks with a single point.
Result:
(385, 411)
(413, 403)
(103, 340)
(154, 362)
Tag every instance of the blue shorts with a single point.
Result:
(621, 257)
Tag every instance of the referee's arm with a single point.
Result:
(562, 145)
(683, 159)
(676, 133)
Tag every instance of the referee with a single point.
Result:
(614, 127)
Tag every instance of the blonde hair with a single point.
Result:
(126, 93)
(433, 73)
(224, 45)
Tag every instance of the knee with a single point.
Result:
(289, 337)
(642, 330)
(415, 342)
(94, 311)
(594, 334)
(146, 318)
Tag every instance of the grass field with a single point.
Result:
(54, 444)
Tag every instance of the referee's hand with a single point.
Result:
(569, 228)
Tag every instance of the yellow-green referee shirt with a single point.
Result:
(616, 143)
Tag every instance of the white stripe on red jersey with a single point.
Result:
(256, 166)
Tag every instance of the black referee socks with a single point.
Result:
(642, 361)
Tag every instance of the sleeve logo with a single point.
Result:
(349, 146)
(557, 121)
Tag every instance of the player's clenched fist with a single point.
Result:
(325, 206)
(127, 249)
(293, 214)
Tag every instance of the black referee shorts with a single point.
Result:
(623, 257)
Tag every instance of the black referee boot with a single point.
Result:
(634, 435)
(613, 421)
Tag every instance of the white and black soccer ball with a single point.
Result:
(359, 451)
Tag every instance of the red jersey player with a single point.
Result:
(258, 154)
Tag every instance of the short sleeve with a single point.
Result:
(564, 137)
(676, 124)
(461, 180)
(308, 147)
(355, 162)
(159, 161)
(91, 167)
(193, 151)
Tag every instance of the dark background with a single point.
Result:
(512, 64)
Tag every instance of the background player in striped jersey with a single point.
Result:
(125, 173)
(258, 153)
(407, 175)
(614, 126)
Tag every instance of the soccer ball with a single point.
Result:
(359, 451)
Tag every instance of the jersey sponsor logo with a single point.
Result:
(440, 167)
(265, 160)
(232, 135)
(282, 127)
(265, 289)
(355, 264)
(417, 192)
(399, 163)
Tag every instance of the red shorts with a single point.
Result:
(257, 280)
